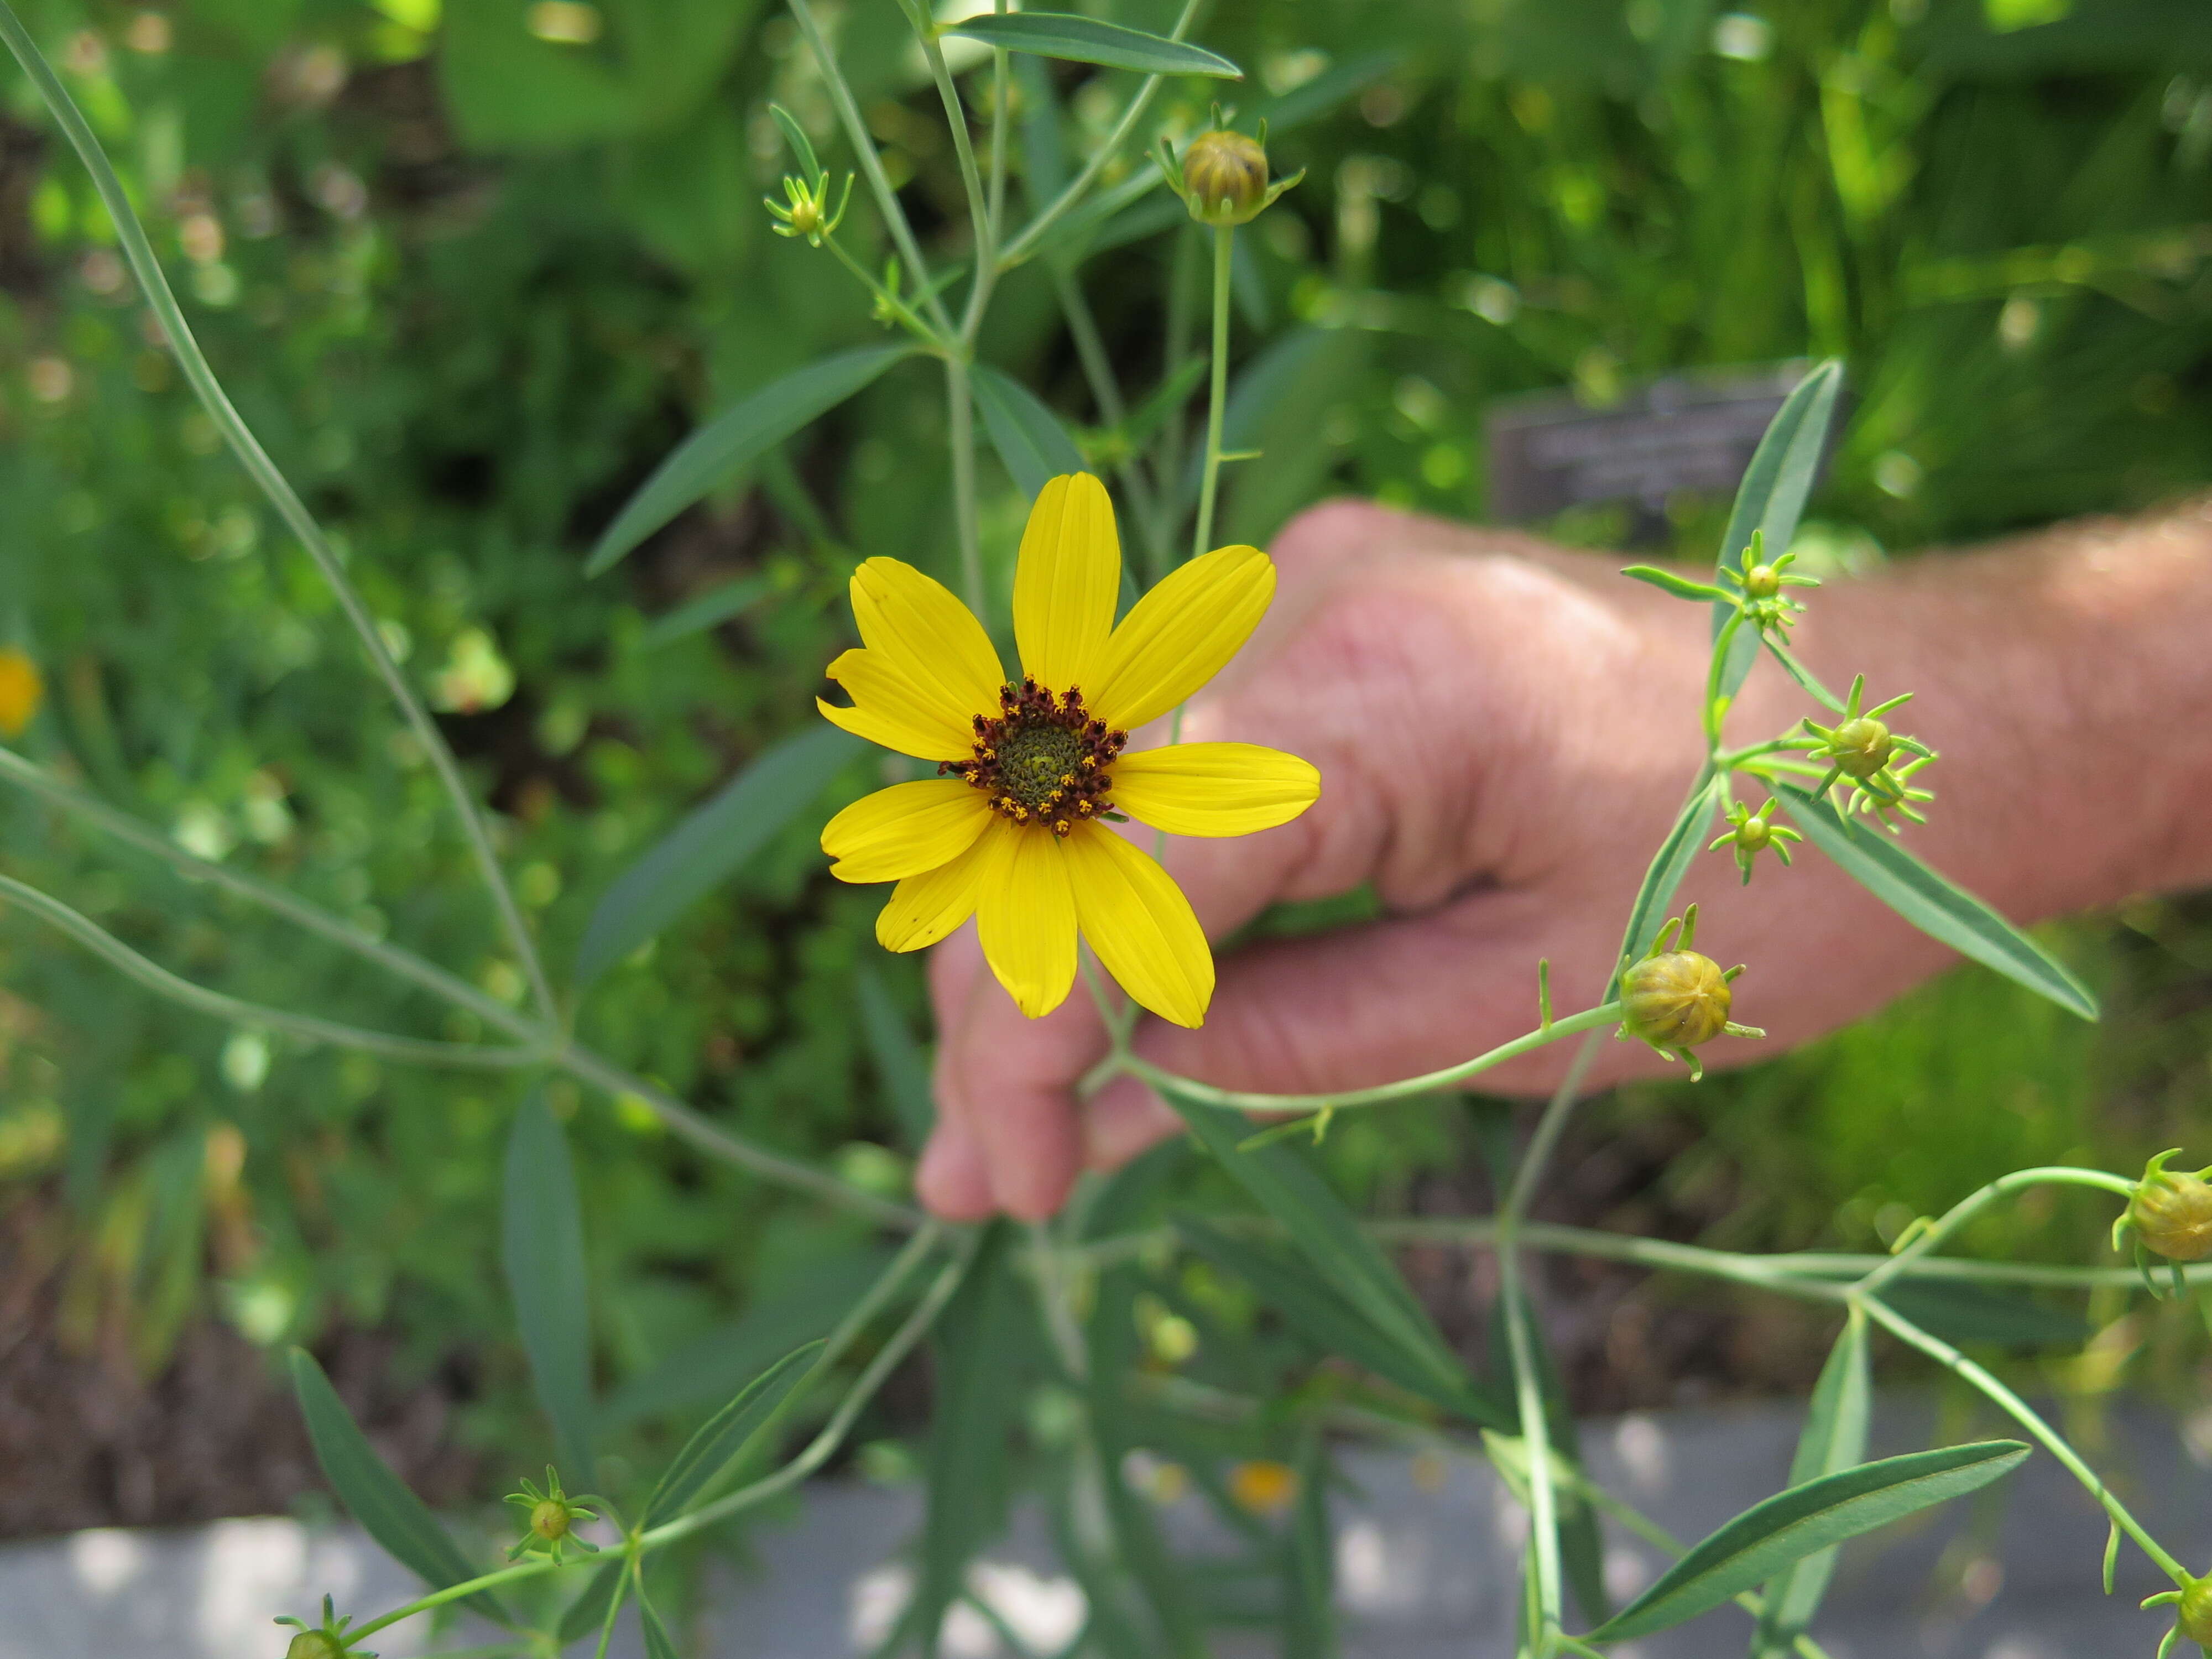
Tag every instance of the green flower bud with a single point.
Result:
(315, 1645)
(1862, 747)
(1675, 1001)
(2194, 1614)
(1762, 582)
(2172, 1214)
(1225, 177)
(549, 1519)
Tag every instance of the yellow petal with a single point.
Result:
(1179, 635)
(1214, 788)
(907, 829)
(1026, 918)
(929, 637)
(1140, 925)
(1065, 582)
(889, 708)
(924, 908)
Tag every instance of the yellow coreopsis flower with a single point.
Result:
(1012, 835)
(22, 688)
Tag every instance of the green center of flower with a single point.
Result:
(1041, 759)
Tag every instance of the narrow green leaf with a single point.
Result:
(1797, 671)
(709, 847)
(1027, 436)
(1333, 86)
(542, 1248)
(1669, 582)
(1309, 1609)
(802, 147)
(387, 1511)
(1772, 497)
(1163, 400)
(724, 1435)
(734, 437)
(1325, 1231)
(901, 1064)
(1834, 1439)
(1088, 40)
(1324, 1318)
(588, 1612)
(1803, 1521)
(1934, 905)
(714, 607)
(658, 1644)
(1962, 1312)
(1067, 236)
(1670, 866)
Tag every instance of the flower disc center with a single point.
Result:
(1043, 759)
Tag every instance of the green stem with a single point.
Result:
(1049, 1261)
(1535, 1433)
(1106, 392)
(1715, 713)
(972, 178)
(1941, 1351)
(462, 1591)
(1202, 532)
(1240, 1100)
(960, 411)
(154, 284)
(417, 1051)
(999, 90)
(871, 165)
(1026, 244)
(890, 301)
(1966, 1208)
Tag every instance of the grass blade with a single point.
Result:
(1088, 40)
(724, 1435)
(734, 437)
(1027, 436)
(1772, 497)
(1670, 866)
(1803, 1521)
(387, 1511)
(542, 1248)
(1935, 905)
(708, 847)
(1834, 1439)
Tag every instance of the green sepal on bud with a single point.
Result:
(2171, 1216)
(1676, 1000)
(325, 1641)
(2193, 1613)
(1750, 832)
(1759, 586)
(1222, 174)
(805, 210)
(551, 1520)
(1862, 748)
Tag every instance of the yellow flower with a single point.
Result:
(21, 689)
(1012, 835)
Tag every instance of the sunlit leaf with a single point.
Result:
(1834, 1439)
(1670, 866)
(1089, 40)
(1803, 1521)
(1937, 907)
(1772, 497)
(542, 1248)
(735, 437)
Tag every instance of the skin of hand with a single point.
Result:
(1505, 731)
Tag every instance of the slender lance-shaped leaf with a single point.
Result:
(1772, 497)
(387, 1511)
(1027, 436)
(589, 1610)
(716, 606)
(1797, 671)
(1670, 866)
(1326, 1232)
(542, 1248)
(1326, 1319)
(1089, 41)
(658, 1644)
(1835, 1439)
(723, 1435)
(1803, 1521)
(734, 437)
(1308, 1613)
(901, 1066)
(1934, 905)
(1671, 581)
(710, 844)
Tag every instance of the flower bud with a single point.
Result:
(2172, 1214)
(1860, 748)
(315, 1645)
(1762, 582)
(1225, 177)
(549, 1519)
(1676, 1000)
(2194, 1614)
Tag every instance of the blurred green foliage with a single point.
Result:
(470, 276)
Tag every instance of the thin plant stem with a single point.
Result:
(972, 178)
(1224, 247)
(2021, 1413)
(999, 87)
(614, 1608)
(154, 284)
(462, 1591)
(1205, 1094)
(1106, 393)
(1053, 1298)
(415, 1051)
(871, 165)
(890, 302)
(1022, 247)
(960, 436)
(1966, 1208)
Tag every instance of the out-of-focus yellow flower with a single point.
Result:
(22, 688)
(1012, 835)
(1262, 1487)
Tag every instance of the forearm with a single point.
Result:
(2066, 679)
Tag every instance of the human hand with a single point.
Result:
(1504, 730)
